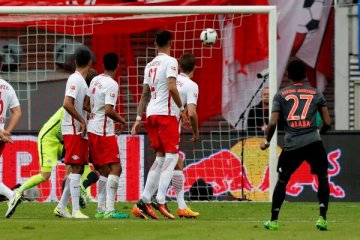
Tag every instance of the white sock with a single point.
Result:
(101, 189)
(75, 191)
(152, 180)
(178, 184)
(7, 192)
(167, 171)
(65, 195)
(111, 189)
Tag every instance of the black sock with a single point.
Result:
(91, 178)
(278, 197)
(323, 195)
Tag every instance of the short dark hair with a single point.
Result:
(110, 61)
(163, 38)
(296, 70)
(82, 57)
(90, 75)
(187, 62)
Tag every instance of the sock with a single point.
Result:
(323, 195)
(75, 190)
(63, 183)
(101, 193)
(152, 180)
(111, 189)
(91, 178)
(65, 194)
(178, 184)
(7, 192)
(278, 196)
(166, 174)
(31, 182)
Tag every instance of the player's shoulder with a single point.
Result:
(5, 85)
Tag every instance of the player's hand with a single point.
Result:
(135, 128)
(5, 137)
(83, 128)
(184, 120)
(195, 137)
(119, 128)
(264, 146)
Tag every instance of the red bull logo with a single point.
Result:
(224, 171)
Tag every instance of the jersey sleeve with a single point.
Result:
(111, 95)
(276, 107)
(146, 74)
(172, 68)
(14, 101)
(321, 102)
(72, 87)
(193, 94)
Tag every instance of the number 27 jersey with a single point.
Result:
(156, 74)
(298, 105)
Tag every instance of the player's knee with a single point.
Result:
(115, 169)
(46, 175)
(284, 178)
(179, 165)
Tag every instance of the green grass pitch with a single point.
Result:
(218, 220)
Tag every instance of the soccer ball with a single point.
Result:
(311, 13)
(208, 36)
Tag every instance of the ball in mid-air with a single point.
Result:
(208, 36)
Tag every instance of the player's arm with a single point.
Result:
(13, 121)
(86, 106)
(174, 93)
(270, 130)
(145, 98)
(193, 117)
(69, 106)
(111, 113)
(324, 112)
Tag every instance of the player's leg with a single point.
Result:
(143, 208)
(319, 166)
(14, 198)
(178, 180)
(169, 138)
(289, 161)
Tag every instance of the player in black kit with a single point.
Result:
(297, 105)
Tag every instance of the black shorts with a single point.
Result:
(314, 154)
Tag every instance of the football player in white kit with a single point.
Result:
(8, 101)
(74, 130)
(189, 92)
(101, 100)
(161, 95)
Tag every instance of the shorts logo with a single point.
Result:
(118, 156)
(75, 157)
(177, 147)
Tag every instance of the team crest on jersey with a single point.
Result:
(72, 87)
(75, 157)
(112, 95)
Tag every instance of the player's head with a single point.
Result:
(110, 61)
(90, 75)
(296, 70)
(187, 63)
(163, 39)
(83, 58)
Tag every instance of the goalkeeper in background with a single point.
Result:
(51, 148)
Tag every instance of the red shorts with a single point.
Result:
(2, 147)
(76, 150)
(103, 150)
(163, 132)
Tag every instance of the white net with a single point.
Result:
(227, 158)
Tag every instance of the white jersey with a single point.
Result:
(8, 100)
(188, 90)
(156, 74)
(76, 88)
(102, 90)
